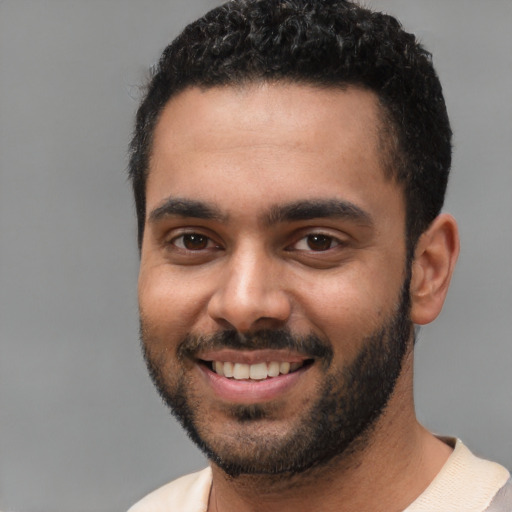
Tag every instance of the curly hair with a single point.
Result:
(325, 43)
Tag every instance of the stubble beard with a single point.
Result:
(337, 423)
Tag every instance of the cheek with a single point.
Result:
(169, 304)
(350, 304)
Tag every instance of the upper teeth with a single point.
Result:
(258, 371)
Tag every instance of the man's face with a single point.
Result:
(273, 286)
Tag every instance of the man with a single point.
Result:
(289, 165)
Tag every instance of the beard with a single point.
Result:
(345, 409)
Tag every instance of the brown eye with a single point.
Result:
(319, 242)
(316, 242)
(192, 242)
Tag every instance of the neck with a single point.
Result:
(384, 472)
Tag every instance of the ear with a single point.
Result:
(434, 260)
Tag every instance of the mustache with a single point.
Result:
(308, 345)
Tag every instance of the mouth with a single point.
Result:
(248, 377)
(256, 371)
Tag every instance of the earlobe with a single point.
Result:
(432, 268)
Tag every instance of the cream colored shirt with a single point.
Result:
(464, 484)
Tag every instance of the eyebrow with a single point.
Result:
(179, 207)
(290, 212)
(318, 208)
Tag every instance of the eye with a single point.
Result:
(193, 242)
(316, 242)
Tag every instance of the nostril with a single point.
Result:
(248, 294)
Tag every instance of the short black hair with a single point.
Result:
(325, 43)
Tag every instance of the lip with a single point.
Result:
(252, 356)
(251, 391)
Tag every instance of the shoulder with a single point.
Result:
(502, 502)
(186, 494)
(465, 482)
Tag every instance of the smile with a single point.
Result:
(249, 377)
(257, 371)
(252, 376)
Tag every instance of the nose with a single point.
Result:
(250, 293)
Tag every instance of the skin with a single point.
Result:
(244, 152)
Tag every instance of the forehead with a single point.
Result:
(268, 142)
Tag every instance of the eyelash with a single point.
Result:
(210, 244)
(322, 239)
(325, 241)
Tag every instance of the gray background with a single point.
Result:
(81, 428)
